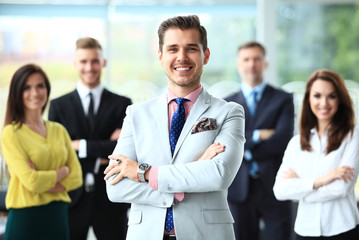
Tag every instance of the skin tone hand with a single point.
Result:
(116, 134)
(344, 173)
(290, 173)
(61, 173)
(76, 145)
(265, 134)
(127, 168)
(212, 151)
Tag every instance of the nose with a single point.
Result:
(34, 91)
(182, 56)
(88, 66)
(324, 101)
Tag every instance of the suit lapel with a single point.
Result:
(201, 105)
(101, 108)
(265, 98)
(76, 101)
(161, 113)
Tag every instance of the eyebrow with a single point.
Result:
(188, 45)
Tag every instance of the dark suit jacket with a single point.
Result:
(68, 111)
(275, 110)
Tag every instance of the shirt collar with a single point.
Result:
(247, 90)
(84, 91)
(192, 97)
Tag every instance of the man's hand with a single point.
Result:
(265, 134)
(212, 151)
(116, 134)
(126, 168)
(76, 145)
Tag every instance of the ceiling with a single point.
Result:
(163, 2)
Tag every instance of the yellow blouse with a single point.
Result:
(28, 187)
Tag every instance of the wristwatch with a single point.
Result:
(141, 170)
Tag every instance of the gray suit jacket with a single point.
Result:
(204, 212)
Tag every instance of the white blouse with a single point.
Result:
(330, 209)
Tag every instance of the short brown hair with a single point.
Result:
(252, 44)
(343, 121)
(183, 23)
(88, 43)
(15, 109)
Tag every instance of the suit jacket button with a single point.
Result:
(169, 188)
(164, 203)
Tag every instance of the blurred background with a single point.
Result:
(300, 36)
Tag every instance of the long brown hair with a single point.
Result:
(343, 120)
(15, 110)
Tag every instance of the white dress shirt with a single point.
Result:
(83, 92)
(330, 209)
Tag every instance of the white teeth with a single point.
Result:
(182, 68)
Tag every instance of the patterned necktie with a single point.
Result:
(90, 114)
(178, 119)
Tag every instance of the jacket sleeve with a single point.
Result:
(209, 175)
(283, 132)
(127, 190)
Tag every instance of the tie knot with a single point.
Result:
(180, 101)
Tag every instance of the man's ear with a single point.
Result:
(104, 64)
(207, 53)
(160, 56)
(266, 64)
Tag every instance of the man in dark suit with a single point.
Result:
(93, 117)
(269, 126)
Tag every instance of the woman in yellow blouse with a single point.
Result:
(42, 164)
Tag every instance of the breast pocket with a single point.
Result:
(205, 137)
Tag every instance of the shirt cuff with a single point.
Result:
(153, 181)
(248, 155)
(83, 148)
(255, 136)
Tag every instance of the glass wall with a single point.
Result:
(309, 36)
(315, 36)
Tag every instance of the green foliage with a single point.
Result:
(318, 36)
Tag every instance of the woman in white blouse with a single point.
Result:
(320, 165)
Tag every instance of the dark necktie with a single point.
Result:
(90, 114)
(178, 119)
(254, 168)
(254, 102)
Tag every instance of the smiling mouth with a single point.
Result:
(183, 68)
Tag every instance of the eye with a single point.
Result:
(41, 85)
(316, 95)
(332, 96)
(26, 87)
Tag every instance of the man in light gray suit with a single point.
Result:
(178, 186)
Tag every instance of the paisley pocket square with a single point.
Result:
(204, 124)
